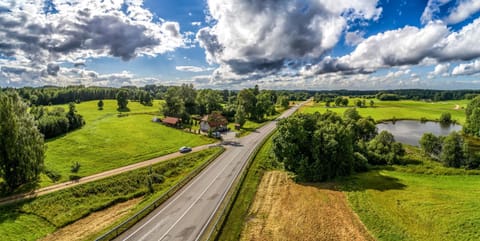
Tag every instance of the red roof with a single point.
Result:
(215, 120)
(171, 120)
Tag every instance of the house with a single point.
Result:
(213, 122)
(172, 121)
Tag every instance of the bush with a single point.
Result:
(53, 175)
(446, 118)
(75, 167)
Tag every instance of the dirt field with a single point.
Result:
(93, 223)
(285, 210)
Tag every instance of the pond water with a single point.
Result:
(410, 131)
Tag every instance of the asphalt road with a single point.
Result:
(186, 214)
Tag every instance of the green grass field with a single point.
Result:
(108, 141)
(35, 218)
(404, 206)
(403, 109)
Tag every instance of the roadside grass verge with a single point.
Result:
(108, 141)
(35, 218)
(402, 109)
(263, 161)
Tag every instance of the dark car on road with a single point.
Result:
(185, 149)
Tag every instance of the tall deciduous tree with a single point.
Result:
(472, 122)
(122, 99)
(452, 150)
(240, 115)
(21, 144)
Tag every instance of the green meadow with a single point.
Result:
(108, 141)
(402, 109)
(396, 205)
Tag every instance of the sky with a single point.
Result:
(235, 44)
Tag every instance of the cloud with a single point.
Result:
(434, 43)
(405, 46)
(196, 23)
(52, 69)
(463, 10)
(432, 10)
(37, 33)
(188, 68)
(439, 70)
(467, 69)
(354, 38)
(251, 36)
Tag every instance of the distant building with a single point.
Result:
(214, 122)
(172, 121)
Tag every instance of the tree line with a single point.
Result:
(56, 122)
(254, 104)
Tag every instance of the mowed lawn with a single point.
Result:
(404, 206)
(108, 141)
(403, 109)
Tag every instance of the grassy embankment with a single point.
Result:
(234, 222)
(251, 126)
(403, 109)
(108, 141)
(35, 218)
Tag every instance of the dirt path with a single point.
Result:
(63, 185)
(86, 227)
(284, 210)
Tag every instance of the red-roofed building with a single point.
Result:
(172, 121)
(214, 121)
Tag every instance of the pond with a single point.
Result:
(410, 131)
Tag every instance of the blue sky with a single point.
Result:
(289, 44)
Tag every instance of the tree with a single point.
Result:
(75, 120)
(317, 147)
(452, 154)
(351, 114)
(472, 122)
(240, 115)
(208, 101)
(284, 101)
(173, 105)
(338, 101)
(21, 144)
(345, 102)
(100, 104)
(446, 118)
(122, 99)
(188, 94)
(358, 103)
(249, 102)
(372, 103)
(431, 144)
(384, 150)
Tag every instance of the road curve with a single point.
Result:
(186, 214)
